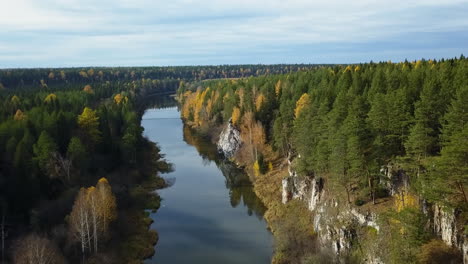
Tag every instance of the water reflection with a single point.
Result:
(237, 181)
(201, 219)
(158, 102)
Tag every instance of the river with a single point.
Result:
(210, 214)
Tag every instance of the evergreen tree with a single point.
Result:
(43, 150)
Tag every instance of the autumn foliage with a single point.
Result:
(94, 209)
(88, 122)
(236, 114)
(19, 115)
(50, 98)
(119, 99)
(301, 103)
(88, 89)
(36, 249)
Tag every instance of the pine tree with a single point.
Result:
(358, 145)
(450, 175)
(88, 122)
(43, 150)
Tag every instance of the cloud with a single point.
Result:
(143, 32)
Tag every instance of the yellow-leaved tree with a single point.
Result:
(93, 210)
(241, 93)
(36, 249)
(83, 74)
(108, 205)
(19, 115)
(256, 168)
(79, 220)
(50, 98)
(15, 100)
(236, 114)
(301, 103)
(88, 89)
(88, 122)
(187, 108)
(253, 136)
(92, 201)
(119, 98)
(200, 114)
(278, 88)
(259, 101)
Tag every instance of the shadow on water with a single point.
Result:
(157, 102)
(237, 181)
(211, 214)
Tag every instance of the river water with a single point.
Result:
(210, 214)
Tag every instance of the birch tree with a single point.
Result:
(94, 209)
(37, 250)
(107, 204)
(79, 220)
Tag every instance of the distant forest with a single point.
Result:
(27, 78)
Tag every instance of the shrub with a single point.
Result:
(436, 251)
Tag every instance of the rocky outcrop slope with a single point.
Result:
(229, 140)
(335, 221)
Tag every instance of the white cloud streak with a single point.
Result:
(112, 31)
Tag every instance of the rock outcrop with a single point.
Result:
(229, 140)
(446, 227)
(334, 223)
(337, 222)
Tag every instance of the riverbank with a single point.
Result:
(132, 240)
(291, 224)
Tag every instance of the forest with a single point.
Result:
(63, 147)
(346, 125)
(164, 77)
(76, 174)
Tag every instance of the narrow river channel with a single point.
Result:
(210, 214)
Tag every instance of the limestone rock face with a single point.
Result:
(446, 227)
(334, 223)
(465, 251)
(229, 140)
(396, 179)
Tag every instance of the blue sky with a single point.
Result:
(66, 33)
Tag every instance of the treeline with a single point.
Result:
(348, 124)
(24, 78)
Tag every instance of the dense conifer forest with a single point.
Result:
(347, 125)
(76, 173)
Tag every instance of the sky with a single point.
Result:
(73, 33)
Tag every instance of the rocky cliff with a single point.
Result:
(336, 222)
(446, 226)
(229, 140)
